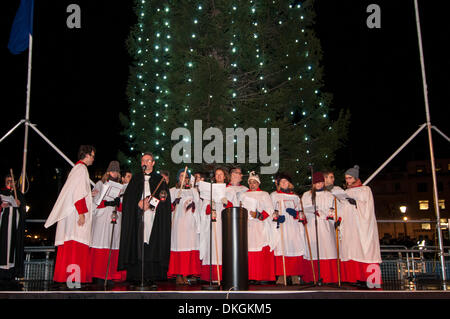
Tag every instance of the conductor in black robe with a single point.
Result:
(12, 232)
(157, 251)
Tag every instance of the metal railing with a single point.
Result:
(418, 262)
(39, 264)
(399, 262)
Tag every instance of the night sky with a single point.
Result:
(79, 77)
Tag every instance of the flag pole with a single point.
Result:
(430, 142)
(27, 115)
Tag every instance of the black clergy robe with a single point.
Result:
(157, 252)
(12, 232)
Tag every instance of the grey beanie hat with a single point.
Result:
(113, 167)
(354, 171)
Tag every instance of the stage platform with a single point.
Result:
(169, 290)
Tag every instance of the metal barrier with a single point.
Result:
(40, 266)
(399, 262)
(418, 262)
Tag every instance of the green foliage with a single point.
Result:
(252, 64)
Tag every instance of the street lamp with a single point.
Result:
(405, 219)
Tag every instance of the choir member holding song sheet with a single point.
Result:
(235, 184)
(185, 240)
(261, 260)
(221, 199)
(288, 233)
(12, 230)
(323, 246)
(108, 213)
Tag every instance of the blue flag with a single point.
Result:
(21, 28)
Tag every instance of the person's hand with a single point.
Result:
(176, 201)
(191, 206)
(224, 200)
(302, 218)
(275, 214)
(81, 220)
(5, 204)
(214, 215)
(146, 204)
(18, 202)
(95, 192)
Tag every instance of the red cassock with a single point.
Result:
(73, 240)
(185, 245)
(72, 254)
(100, 251)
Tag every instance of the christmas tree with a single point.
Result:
(230, 65)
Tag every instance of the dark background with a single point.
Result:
(79, 77)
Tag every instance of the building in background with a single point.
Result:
(406, 195)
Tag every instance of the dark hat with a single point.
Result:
(113, 166)
(188, 175)
(354, 171)
(317, 177)
(285, 176)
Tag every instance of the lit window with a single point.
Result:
(426, 226)
(442, 204)
(420, 169)
(424, 204)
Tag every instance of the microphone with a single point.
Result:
(144, 167)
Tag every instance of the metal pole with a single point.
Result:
(395, 154)
(27, 114)
(440, 132)
(11, 130)
(433, 168)
(54, 147)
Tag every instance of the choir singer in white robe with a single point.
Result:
(261, 260)
(185, 237)
(73, 214)
(360, 246)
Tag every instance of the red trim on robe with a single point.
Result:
(281, 192)
(294, 266)
(72, 253)
(184, 263)
(261, 265)
(328, 270)
(99, 260)
(357, 184)
(102, 204)
(264, 215)
(353, 271)
(81, 206)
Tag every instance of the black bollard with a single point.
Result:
(234, 249)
